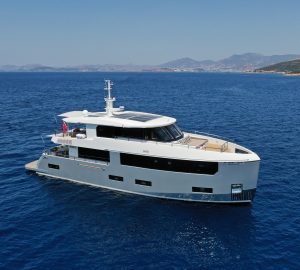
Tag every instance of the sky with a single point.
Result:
(63, 32)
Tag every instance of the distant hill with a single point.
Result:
(81, 68)
(237, 62)
(256, 60)
(181, 63)
(288, 67)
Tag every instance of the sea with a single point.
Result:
(55, 224)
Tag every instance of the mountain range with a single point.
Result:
(235, 63)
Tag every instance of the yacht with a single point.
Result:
(148, 154)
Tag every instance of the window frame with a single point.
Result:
(90, 153)
(115, 178)
(161, 134)
(143, 182)
(168, 164)
(202, 190)
(53, 166)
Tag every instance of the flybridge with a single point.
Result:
(117, 117)
(122, 119)
(141, 117)
(135, 116)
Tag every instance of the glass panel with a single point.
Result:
(174, 131)
(164, 134)
(202, 189)
(175, 165)
(93, 154)
(105, 131)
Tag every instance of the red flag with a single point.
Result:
(65, 127)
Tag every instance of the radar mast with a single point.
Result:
(109, 100)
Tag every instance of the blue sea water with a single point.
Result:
(54, 224)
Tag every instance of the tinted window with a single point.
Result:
(165, 134)
(175, 131)
(143, 182)
(106, 131)
(176, 165)
(93, 154)
(134, 133)
(115, 177)
(162, 134)
(202, 189)
(53, 166)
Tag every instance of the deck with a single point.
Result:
(208, 144)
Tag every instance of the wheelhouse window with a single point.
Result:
(164, 134)
(167, 133)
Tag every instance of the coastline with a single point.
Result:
(292, 74)
(278, 72)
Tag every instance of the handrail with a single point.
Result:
(224, 146)
(210, 134)
(52, 153)
(181, 143)
(150, 141)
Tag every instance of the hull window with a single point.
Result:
(165, 164)
(116, 178)
(202, 189)
(93, 154)
(53, 166)
(143, 182)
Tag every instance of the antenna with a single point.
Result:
(109, 100)
(43, 142)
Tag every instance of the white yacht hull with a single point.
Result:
(148, 154)
(164, 184)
